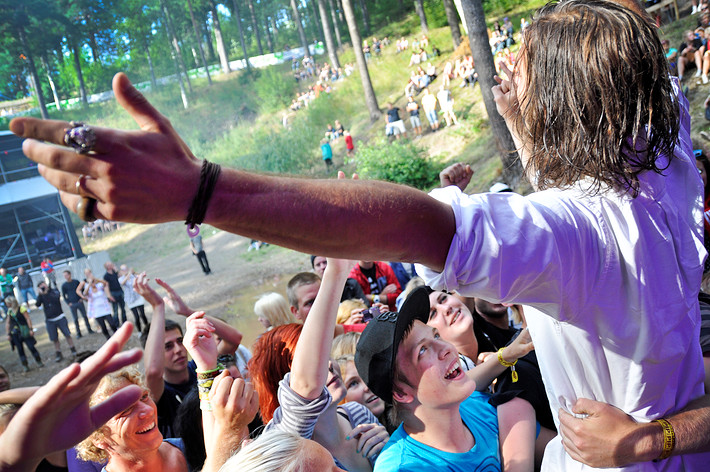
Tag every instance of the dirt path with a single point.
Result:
(238, 278)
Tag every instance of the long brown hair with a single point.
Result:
(597, 79)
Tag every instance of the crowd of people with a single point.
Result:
(599, 270)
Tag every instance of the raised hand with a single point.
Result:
(458, 174)
(136, 176)
(58, 416)
(173, 300)
(143, 289)
(200, 342)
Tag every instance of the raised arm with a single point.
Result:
(230, 337)
(142, 176)
(309, 369)
(59, 415)
(491, 368)
(155, 343)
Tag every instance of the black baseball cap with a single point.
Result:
(378, 344)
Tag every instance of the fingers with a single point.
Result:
(67, 181)
(504, 69)
(115, 404)
(60, 158)
(147, 117)
(165, 285)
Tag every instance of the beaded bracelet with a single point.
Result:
(668, 439)
(505, 363)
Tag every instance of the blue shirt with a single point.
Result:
(402, 453)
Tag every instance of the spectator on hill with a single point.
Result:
(18, 327)
(446, 102)
(429, 104)
(413, 109)
(198, 250)
(134, 301)
(691, 53)
(327, 153)
(395, 125)
(349, 143)
(97, 294)
(118, 304)
(47, 267)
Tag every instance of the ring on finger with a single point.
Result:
(80, 137)
(85, 209)
(80, 186)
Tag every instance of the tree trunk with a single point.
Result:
(33, 73)
(176, 44)
(340, 11)
(45, 64)
(316, 20)
(238, 16)
(255, 25)
(79, 75)
(94, 48)
(153, 80)
(370, 97)
(328, 36)
(482, 57)
(419, 7)
(269, 39)
(452, 17)
(207, 35)
(365, 19)
(221, 47)
(199, 42)
(299, 25)
(336, 26)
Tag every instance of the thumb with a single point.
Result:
(147, 117)
(584, 406)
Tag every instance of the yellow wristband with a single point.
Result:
(503, 361)
(668, 439)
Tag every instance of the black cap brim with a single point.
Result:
(377, 349)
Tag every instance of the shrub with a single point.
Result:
(274, 88)
(398, 162)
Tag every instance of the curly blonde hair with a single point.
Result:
(87, 450)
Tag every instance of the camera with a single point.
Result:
(370, 313)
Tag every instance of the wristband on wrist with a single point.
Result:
(668, 439)
(505, 363)
(208, 180)
(376, 299)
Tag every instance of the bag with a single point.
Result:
(22, 327)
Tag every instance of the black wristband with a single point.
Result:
(208, 180)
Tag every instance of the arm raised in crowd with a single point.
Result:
(142, 176)
(230, 337)
(154, 361)
(58, 416)
(608, 437)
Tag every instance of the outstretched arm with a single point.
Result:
(142, 177)
(309, 369)
(154, 361)
(59, 416)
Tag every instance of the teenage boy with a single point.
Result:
(444, 420)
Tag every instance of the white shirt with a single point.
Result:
(610, 285)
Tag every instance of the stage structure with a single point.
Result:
(33, 222)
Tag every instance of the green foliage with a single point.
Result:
(399, 162)
(274, 89)
(435, 13)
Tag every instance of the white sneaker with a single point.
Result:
(698, 73)
(705, 79)
(694, 11)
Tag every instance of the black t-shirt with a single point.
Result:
(51, 302)
(413, 111)
(69, 291)
(393, 115)
(113, 284)
(170, 402)
(371, 275)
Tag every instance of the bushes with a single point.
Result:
(398, 162)
(274, 88)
